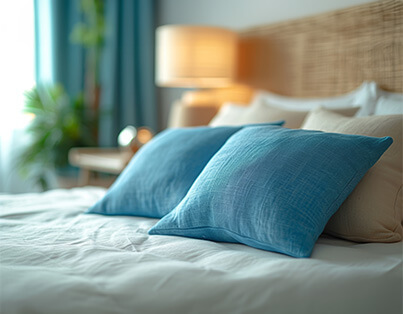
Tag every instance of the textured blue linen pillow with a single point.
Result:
(273, 188)
(161, 173)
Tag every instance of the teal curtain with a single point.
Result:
(127, 63)
(127, 72)
(68, 58)
(62, 61)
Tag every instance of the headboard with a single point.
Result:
(327, 54)
(319, 56)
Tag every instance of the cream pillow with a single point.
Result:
(231, 114)
(373, 211)
(183, 115)
(263, 113)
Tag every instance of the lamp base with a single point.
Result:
(240, 94)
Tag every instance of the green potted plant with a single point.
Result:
(58, 124)
(91, 35)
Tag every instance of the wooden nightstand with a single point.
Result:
(106, 160)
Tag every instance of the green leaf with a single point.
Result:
(59, 124)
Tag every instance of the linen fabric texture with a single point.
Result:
(273, 188)
(374, 210)
(54, 260)
(161, 172)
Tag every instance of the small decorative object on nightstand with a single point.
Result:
(133, 138)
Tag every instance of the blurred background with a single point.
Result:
(75, 73)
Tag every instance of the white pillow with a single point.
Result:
(364, 96)
(389, 103)
(229, 114)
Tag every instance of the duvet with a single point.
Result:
(56, 259)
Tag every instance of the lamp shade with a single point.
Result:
(195, 56)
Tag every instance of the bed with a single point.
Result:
(60, 261)
(56, 257)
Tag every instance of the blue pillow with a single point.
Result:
(273, 188)
(161, 173)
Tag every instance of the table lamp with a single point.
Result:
(195, 56)
(201, 57)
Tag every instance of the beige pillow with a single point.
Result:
(373, 211)
(263, 113)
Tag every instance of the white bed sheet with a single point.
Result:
(54, 259)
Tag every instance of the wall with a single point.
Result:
(237, 15)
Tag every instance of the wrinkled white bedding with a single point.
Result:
(54, 259)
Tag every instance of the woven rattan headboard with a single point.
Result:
(328, 54)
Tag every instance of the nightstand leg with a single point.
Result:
(84, 178)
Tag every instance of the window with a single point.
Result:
(17, 60)
(17, 75)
